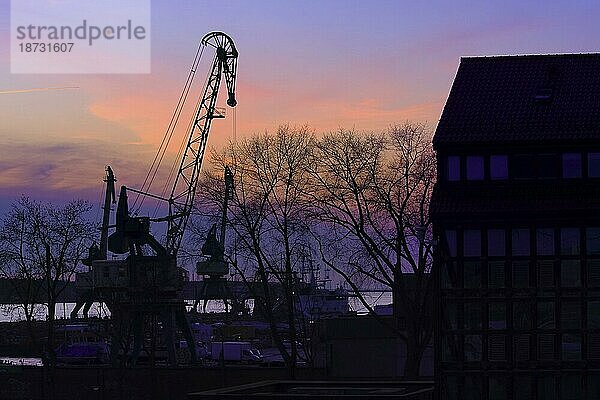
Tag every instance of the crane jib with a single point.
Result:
(186, 180)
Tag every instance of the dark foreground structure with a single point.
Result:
(141, 383)
(322, 390)
(517, 213)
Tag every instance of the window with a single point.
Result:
(543, 94)
(548, 166)
(472, 243)
(571, 165)
(496, 347)
(571, 347)
(496, 274)
(521, 347)
(451, 242)
(453, 168)
(499, 167)
(593, 273)
(496, 242)
(545, 242)
(451, 387)
(451, 315)
(545, 317)
(449, 278)
(546, 387)
(593, 386)
(498, 388)
(546, 346)
(570, 315)
(545, 271)
(522, 387)
(594, 165)
(593, 314)
(475, 168)
(522, 166)
(570, 274)
(449, 348)
(593, 345)
(569, 241)
(571, 387)
(472, 348)
(593, 241)
(522, 318)
(520, 242)
(497, 314)
(472, 274)
(520, 274)
(473, 385)
(472, 315)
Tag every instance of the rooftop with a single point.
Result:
(524, 99)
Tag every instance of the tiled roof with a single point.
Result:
(493, 100)
(561, 198)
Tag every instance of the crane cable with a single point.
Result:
(171, 128)
(177, 160)
(99, 206)
(149, 179)
(234, 125)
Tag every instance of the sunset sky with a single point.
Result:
(329, 64)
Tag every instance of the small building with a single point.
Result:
(516, 213)
(362, 346)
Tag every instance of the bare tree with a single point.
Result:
(370, 194)
(16, 264)
(44, 244)
(266, 216)
(361, 198)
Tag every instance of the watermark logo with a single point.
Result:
(80, 36)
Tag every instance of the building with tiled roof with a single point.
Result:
(516, 212)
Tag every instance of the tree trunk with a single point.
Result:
(397, 312)
(414, 354)
(293, 335)
(30, 330)
(51, 308)
(50, 325)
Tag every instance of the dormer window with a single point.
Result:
(543, 94)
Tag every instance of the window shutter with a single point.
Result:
(497, 348)
(594, 346)
(521, 347)
(546, 347)
(546, 274)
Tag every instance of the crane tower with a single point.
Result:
(144, 288)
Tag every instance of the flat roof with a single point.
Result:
(302, 390)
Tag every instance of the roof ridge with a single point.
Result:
(538, 55)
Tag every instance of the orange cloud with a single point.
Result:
(146, 116)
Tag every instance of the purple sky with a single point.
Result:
(331, 64)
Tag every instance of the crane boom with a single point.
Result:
(186, 182)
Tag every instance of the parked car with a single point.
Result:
(235, 352)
